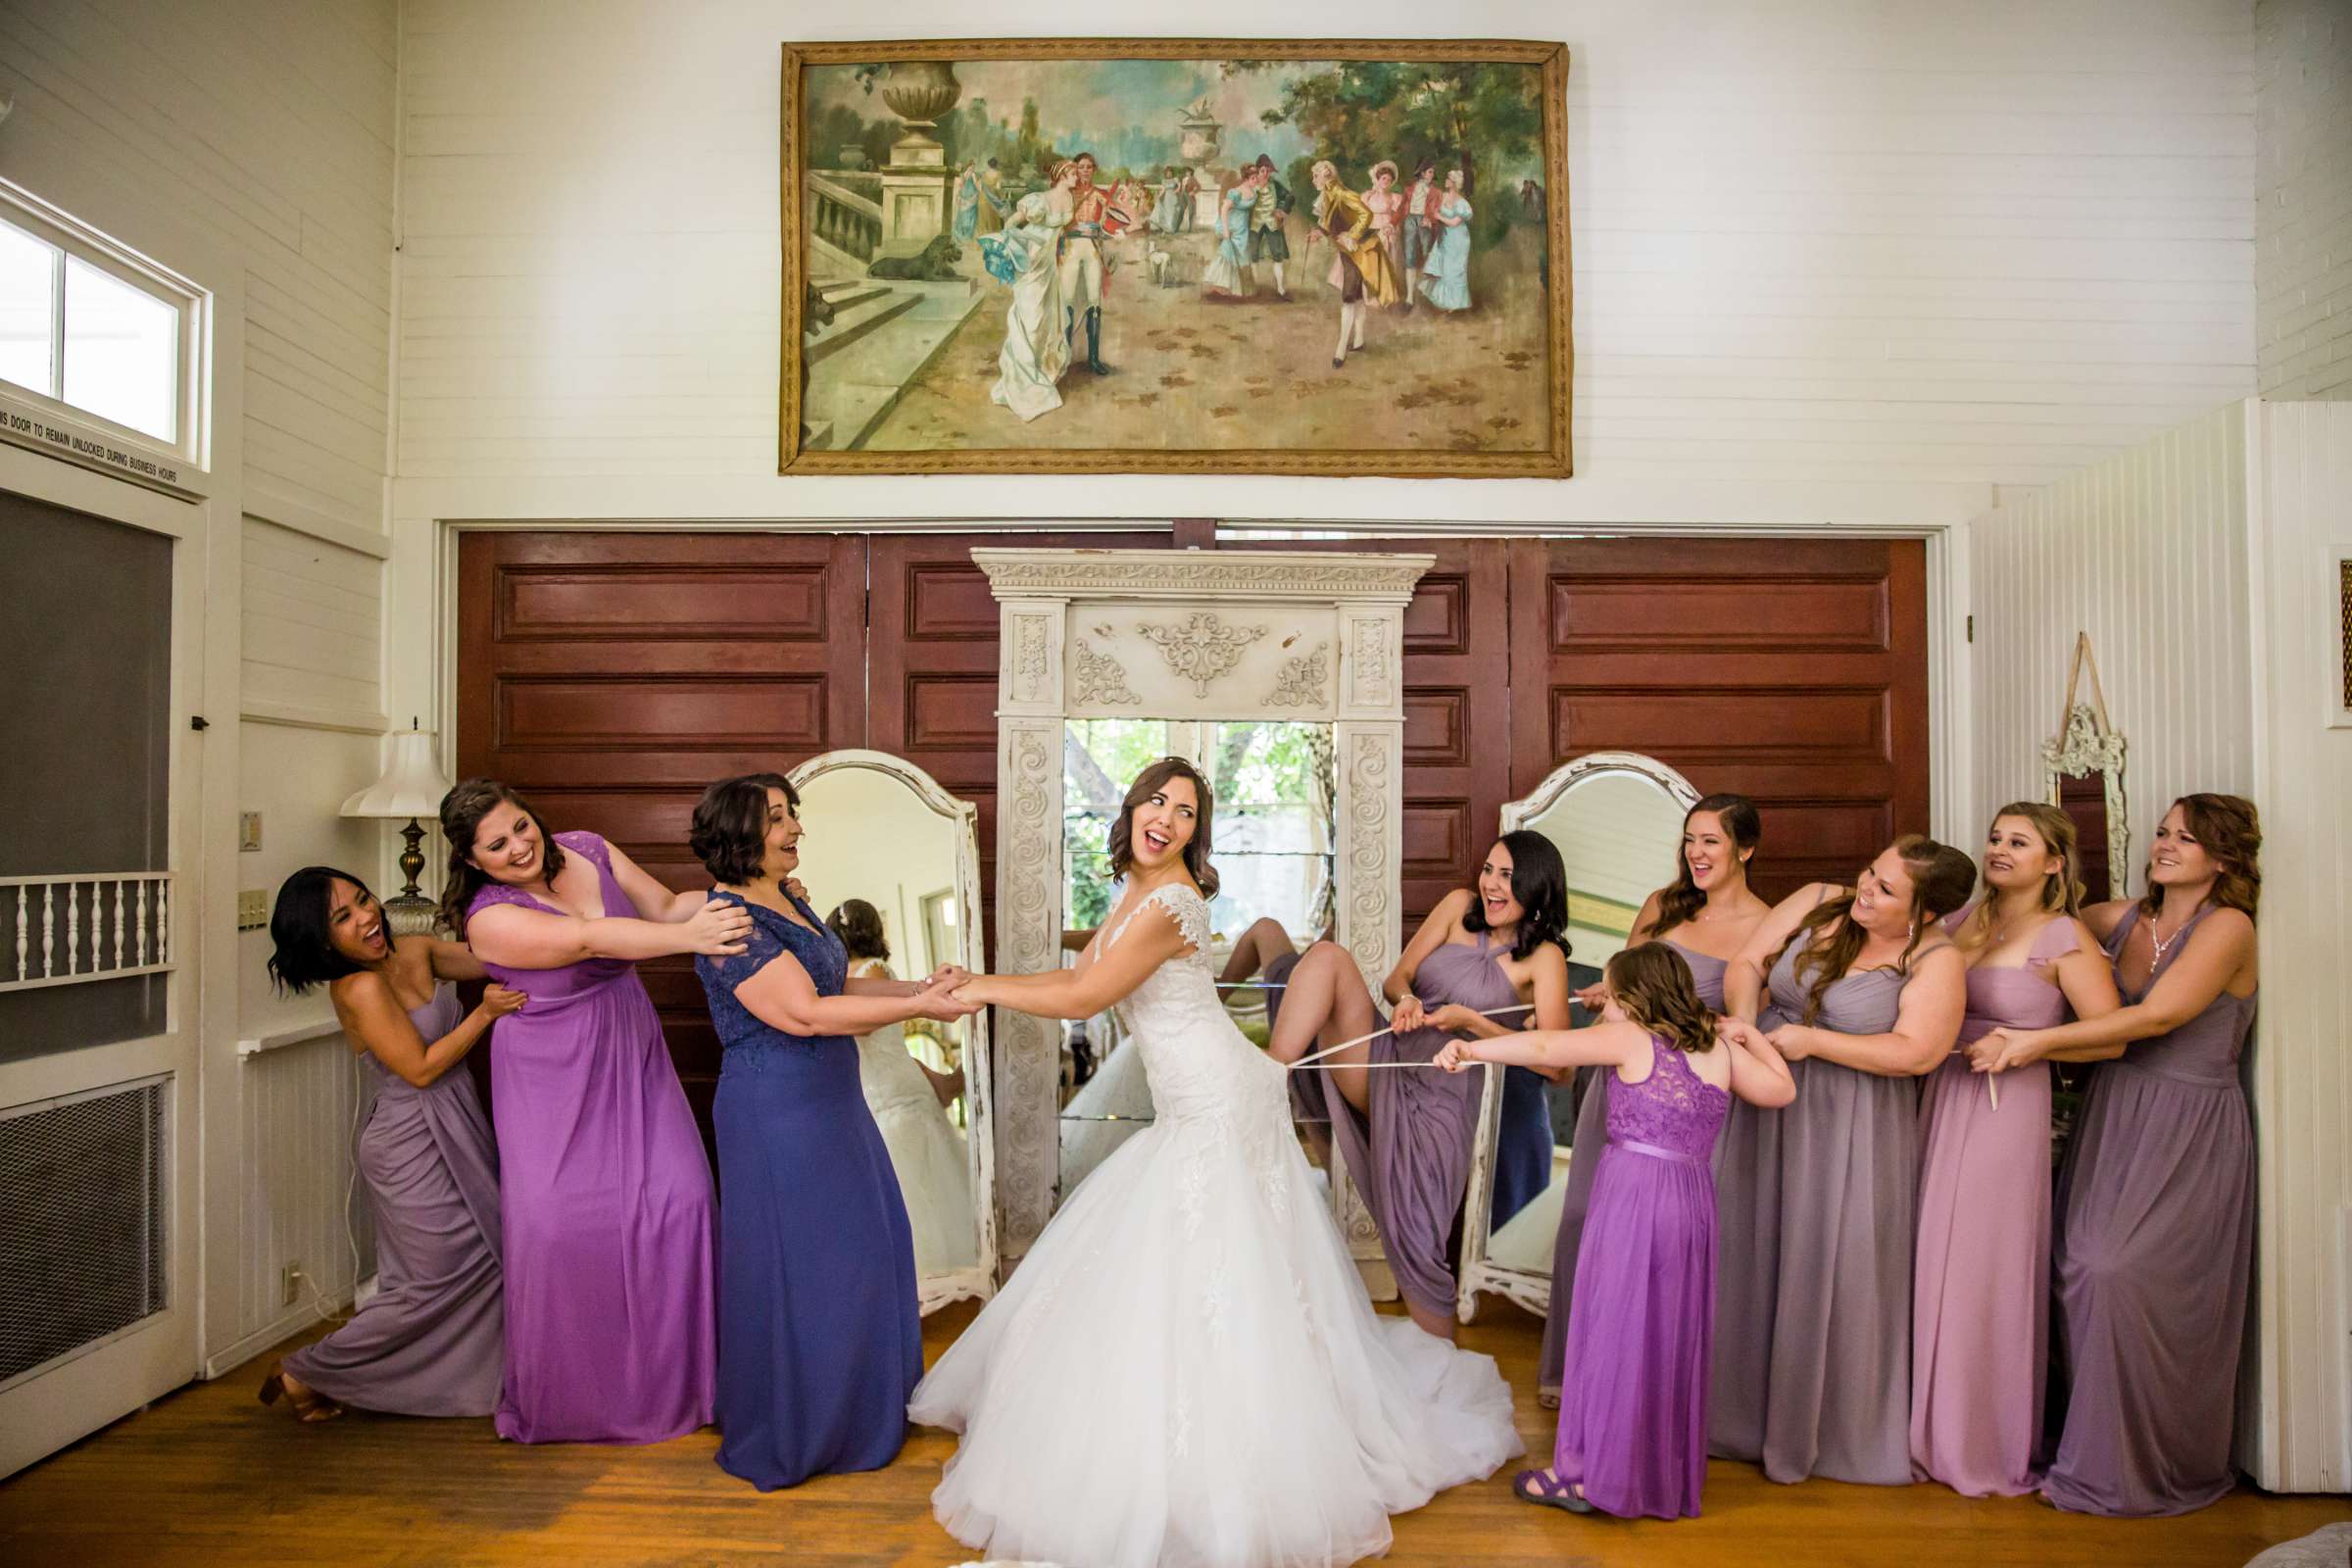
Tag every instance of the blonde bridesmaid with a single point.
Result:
(1980, 1308)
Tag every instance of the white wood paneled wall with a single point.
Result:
(2147, 553)
(1817, 244)
(312, 635)
(268, 126)
(294, 1169)
(259, 136)
(2300, 458)
(2303, 222)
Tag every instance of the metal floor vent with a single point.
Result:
(85, 1196)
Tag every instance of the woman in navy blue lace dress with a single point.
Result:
(819, 1340)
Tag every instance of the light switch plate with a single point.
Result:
(253, 909)
(249, 831)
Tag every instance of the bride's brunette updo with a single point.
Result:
(1149, 782)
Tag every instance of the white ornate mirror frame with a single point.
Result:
(1477, 1272)
(2089, 743)
(978, 1280)
(1182, 634)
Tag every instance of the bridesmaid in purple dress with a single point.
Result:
(1406, 1136)
(428, 1340)
(2155, 1229)
(1813, 1295)
(1980, 1308)
(605, 1190)
(1632, 1432)
(1707, 917)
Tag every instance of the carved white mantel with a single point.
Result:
(1181, 634)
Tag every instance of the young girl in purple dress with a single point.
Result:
(1632, 1432)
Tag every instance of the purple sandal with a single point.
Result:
(1548, 1491)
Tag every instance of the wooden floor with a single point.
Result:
(207, 1475)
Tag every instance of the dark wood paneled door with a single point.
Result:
(931, 673)
(1457, 708)
(1793, 671)
(609, 676)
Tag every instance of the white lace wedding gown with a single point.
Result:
(926, 1151)
(1186, 1372)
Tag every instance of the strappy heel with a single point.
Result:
(308, 1403)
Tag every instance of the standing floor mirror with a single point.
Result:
(892, 863)
(1616, 818)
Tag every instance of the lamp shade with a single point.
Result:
(411, 787)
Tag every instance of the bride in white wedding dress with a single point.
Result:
(1185, 1372)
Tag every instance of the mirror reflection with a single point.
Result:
(1275, 851)
(1617, 828)
(880, 865)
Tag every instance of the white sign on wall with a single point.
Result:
(27, 423)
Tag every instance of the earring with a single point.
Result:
(1914, 932)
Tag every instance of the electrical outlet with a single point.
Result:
(253, 909)
(249, 831)
(290, 1284)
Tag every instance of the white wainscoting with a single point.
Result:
(294, 1169)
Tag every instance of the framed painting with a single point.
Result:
(1177, 256)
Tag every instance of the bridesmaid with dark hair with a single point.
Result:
(1707, 915)
(605, 1192)
(428, 1342)
(2155, 1227)
(1820, 1203)
(819, 1339)
(1979, 1312)
(1406, 1136)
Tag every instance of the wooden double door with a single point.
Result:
(609, 676)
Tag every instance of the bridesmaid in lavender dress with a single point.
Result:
(2155, 1229)
(1813, 1295)
(428, 1340)
(1707, 917)
(605, 1190)
(1406, 1136)
(1633, 1432)
(1980, 1310)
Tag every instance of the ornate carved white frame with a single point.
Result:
(978, 1280)
(1477, 1272)
(2087, 742)
(1182, 634)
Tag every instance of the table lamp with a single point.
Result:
(411, 787)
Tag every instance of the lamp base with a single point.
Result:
(411, 916)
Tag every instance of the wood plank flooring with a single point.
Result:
(207, 1476)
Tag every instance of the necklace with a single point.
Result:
(2164, 945)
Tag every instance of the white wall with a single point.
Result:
(2146, 552)
(2303, 223)
(2300, 462)
(1834, 259)
(250, 144)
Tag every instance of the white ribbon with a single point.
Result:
(1304, 1061)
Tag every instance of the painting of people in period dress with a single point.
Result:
(1318, 258)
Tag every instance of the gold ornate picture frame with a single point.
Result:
(1245, 269)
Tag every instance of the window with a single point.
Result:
(84, 330)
